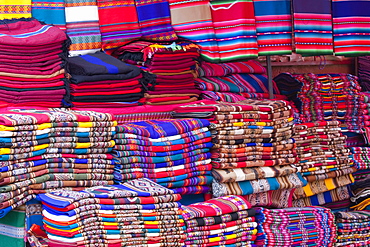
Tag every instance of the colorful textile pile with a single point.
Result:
(32, 63)
(136, 213)
(306, 226)
(325, 163)
(326, 97)
(173, 153)
(100, 80)
(253, 150)
(225, 30)
(350, 19)
(170, 67)
(353, 228)
(225, 221)
(232, 82)
(313, 31)
(273, 26)
(82, 23)
(14, 9)
(44, 150)
(361, 194)
(51, 12)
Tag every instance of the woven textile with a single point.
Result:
(313, 32)
(118, 23)
(235, 29)
(349, 27)
(50, 12)
(273, 26)
(10, 9)
(82, 26)
(155, 20)
(13, 228)
(352, 228)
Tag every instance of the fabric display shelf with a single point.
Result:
(136, 213)
(223, 221)
(253, 151)
(353, 228)
(173, 153)
(360, 199)
(170, 67)
(234, 81)
(44, 150)
(325, 163)
(32, 57)
(305, 226)
(100, 80)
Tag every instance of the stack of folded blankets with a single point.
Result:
(173, 153)
(45, 150)
(325, 163)
(253, 151)
(136, 213)
(234, 81)
(100, 80)
(353, 228)
(32, 58)
(306, 226)
(327, 97)
(224, 221)
(360, 199)
(361, 159)
(170, 67)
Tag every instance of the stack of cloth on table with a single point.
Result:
(170, 67)
(361, 158)
(136, 213)
(43, 150)
(224, 221)
(353, 228)
(100, 80)
(173, 153)
(32, 58)
(325, 163)
(234, 81)
(327, 97)
(307, 226)
(253, 150)
(360, 199)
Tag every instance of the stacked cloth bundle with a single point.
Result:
(224, 221)
(234, 81)
(325, 163)
(360, 199)
(293, 227)
(326, 97)
(32, 58)
(44, 150)
(353, 228)
(173, 153)
(253, 150)
(170, 67)
(136, 213)
(100, 80)
(361, 159)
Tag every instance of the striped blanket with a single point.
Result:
(274, 27)
(50, 12)
(350, 23)
(313, 27)
(82, 26)
(10, 9)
